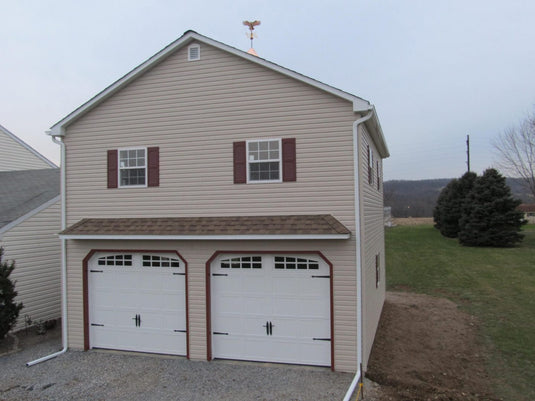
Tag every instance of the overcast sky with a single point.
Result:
(435, 70)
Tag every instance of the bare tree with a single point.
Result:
(516, 149)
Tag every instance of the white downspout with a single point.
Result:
(356, 155)
(63, 264)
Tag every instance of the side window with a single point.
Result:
(370, 165)
(134, 167)
(377, 271)
(263, 161)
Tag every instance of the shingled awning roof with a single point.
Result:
(322, 226)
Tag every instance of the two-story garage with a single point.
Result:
(217, 205)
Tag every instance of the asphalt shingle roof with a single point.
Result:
(228, 225)
(23, 191)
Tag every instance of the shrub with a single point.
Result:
(449, 208)
(9, 309)
(489, 214)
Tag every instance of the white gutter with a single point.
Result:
(356, 154)
(63, 266)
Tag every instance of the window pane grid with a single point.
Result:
(242, 262)
(160, 261)
(115, 260)
(292, 263)
(132, 167)
(264, 160)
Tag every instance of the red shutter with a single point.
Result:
(153, 162)
(112, 168)
(289, 172)
(240, 160)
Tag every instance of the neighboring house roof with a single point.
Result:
(231, 227)
(527, 207)
(25, 145)
(24, 191)
(359, 104)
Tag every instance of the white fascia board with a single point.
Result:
(57, 129)
(207, 237)
(31, 213)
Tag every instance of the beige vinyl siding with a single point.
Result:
(372, 235)
(35, 247)
(196, 254)
(16, 156)
(194, 111)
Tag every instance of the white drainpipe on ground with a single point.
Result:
(356, 155)
(63, 265)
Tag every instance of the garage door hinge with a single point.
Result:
(96, 271)
(179, 274)
(220, 334)
(180, 331)
(321, 339)
(321, 276)
(219, 274)
(97, 324)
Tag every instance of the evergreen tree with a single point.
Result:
(490, 217)
(449, 208)
(9, 310)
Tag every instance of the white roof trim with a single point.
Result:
(31, 213)
(28, 147)
(188, 37)
(206, 237)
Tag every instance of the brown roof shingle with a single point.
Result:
(324, 224)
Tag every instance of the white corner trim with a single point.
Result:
(58, 128)
(28, 147)
(207, 237)
(31, 213)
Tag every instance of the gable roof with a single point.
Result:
(24, 191)
(527, 207)
(359, 104)
(19, 141)
(322, 226)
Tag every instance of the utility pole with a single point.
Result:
(468, 152)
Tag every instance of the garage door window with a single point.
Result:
(290, 263)
(115, 260)
(160, 261)
(242, 262)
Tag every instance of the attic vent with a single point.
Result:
(194, 52)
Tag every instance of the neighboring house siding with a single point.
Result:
(194, 112)
(35, 247)
(373, 243)
(196, 253)
(16, 156)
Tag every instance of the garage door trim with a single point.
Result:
(209, 291)
(85, 283)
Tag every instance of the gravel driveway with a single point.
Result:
(99, 375)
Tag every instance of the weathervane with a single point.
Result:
(251, 35)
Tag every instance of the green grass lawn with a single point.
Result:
(497, 285)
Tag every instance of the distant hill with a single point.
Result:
(418, 198)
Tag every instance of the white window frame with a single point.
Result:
(195, 45)
(119, 168)
(279, 160)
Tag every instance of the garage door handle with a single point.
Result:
(138, 320)
(271, 325)
(267, 328)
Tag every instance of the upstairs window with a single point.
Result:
(264, 160)
(132, 167)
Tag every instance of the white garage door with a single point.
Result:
(137, 302)
(272, 308)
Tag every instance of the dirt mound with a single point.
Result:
(427, 349)
(412, 221)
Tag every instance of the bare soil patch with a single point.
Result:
(428, 349)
